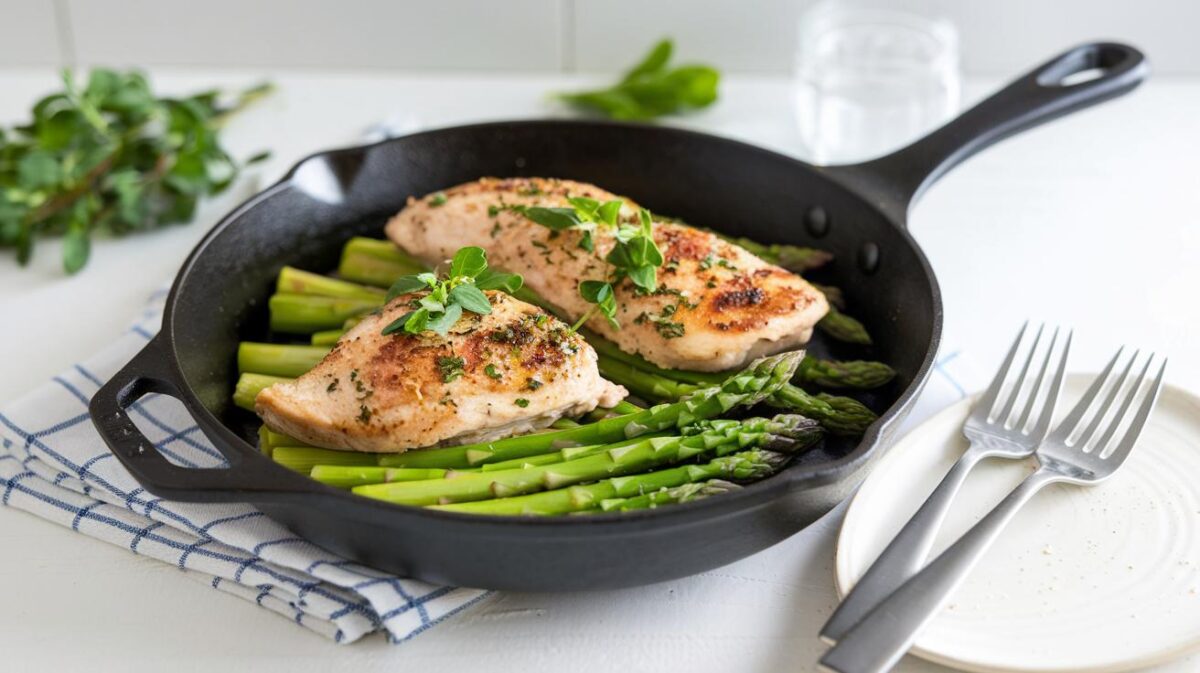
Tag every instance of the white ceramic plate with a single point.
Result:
(1105, 578)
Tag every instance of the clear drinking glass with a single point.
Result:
(869, 80)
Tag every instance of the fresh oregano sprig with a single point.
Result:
(584, 214)
(634, 256)
(446, 298)
(111, 155)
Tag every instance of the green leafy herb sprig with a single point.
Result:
(110, 155)
(461, 290)
(652, 89)
(635, 256)
(584, 214)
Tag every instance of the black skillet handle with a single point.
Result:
(250, 476)
(894, 181)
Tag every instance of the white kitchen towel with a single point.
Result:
(54, 464)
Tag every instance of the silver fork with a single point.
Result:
(997, 427)
(1085, 449)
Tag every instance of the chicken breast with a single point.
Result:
(717, 306)
(515, 370)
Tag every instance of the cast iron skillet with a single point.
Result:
(858, 212)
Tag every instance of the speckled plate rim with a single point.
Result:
(854, 512)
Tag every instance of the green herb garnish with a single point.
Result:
(111, 156)
(451, 367)
(636, 257)
(651, 89)
(492, 372)
(521, 402)
(437, 199)
(446, 298)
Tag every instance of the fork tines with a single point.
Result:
(1101, 423)
(1016, 400)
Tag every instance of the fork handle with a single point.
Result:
(879, 641)
(903, 556)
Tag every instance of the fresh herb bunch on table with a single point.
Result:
(110, 155)
(652, 89)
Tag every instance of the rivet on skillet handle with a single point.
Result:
(894, 181)
(249, 477)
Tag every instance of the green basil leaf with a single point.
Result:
(431, 304)
(492, 279)
(37, 170)
(556, 219)
(443, 322)
(417, 321)
(610, 211)
(595, 291)
(470, 298)
(399, 324)
(645, 277)
(653, 62)
(586, 241)
(469, 261)
(585, 208)
(75, 250)
(405, 285)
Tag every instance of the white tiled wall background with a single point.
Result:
(744, 36)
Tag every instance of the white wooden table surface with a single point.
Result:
(1091, 221)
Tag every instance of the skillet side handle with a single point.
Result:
(249, 476)
(896, 180)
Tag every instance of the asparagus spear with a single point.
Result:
(296, 281)
(348, 476)
(669, 496)
(620, 409)
(839, 415)
(278, 359)
(302, 459)
(249, 385)
(791, 257)
(375, 262)
(757, 382)
(305, 314)
(860, 374)
(715, 437)
(750, 464)
(842, 327)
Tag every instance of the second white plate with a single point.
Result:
(1105, 578)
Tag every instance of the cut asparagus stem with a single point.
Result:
(348, 476)
(564, 424)
(327, 337)
(305, 314)
(264, 440)
(278, 359)
(248, 387)
(713, 438)
(842, 327)
(375, 262)
(833, 294)
(302, 459)
(274, 439)
(296, 281)
(757, 382)
(670, 496)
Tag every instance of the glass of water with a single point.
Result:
(869, 80)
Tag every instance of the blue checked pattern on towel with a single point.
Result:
(54, 464)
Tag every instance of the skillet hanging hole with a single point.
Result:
(161, 420)
(1081, 77)
(1082, 65)
(816, 221)
(868, 258)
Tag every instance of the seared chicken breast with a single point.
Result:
(717, 306)
(515, 370)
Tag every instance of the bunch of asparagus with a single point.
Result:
(623, 451)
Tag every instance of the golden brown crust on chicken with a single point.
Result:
(514, 370)
(717, 307)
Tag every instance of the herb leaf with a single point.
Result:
(445, 320)
(108, 155)
(443, 305)
(555, 219)
(492, 279)
(650, 89)
(469, 261)
(471, 298)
